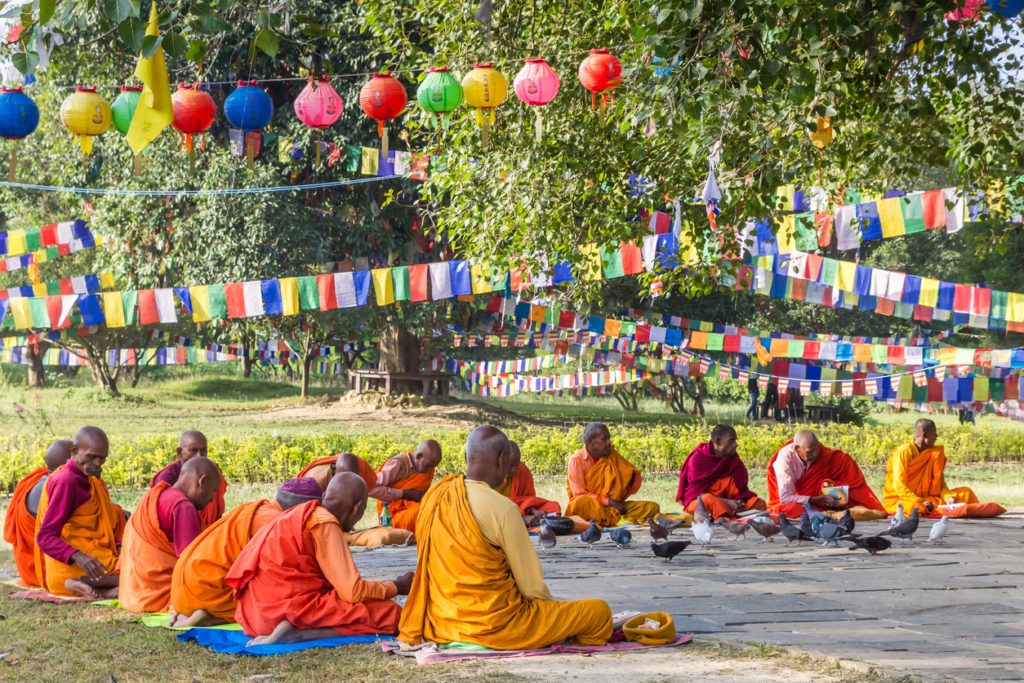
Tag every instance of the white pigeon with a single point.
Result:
(702, 532)
(898, 518)
(939, 530)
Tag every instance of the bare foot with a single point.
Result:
(80, 587)
(188, 620)
(285, 633)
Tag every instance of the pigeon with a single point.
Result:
(898, 518)
(905, 529)
(735, 528)
(938, 530)
(590, 536)
(703, 532)
(547, 537)
(831, 532)
(764, 528)
(873, 544)
(790, 531)
(669, 549)
(807, 528)
(658, 532)
(815, 515)
(621, 537)
(700, 515)
(670, 524)
(816, 523)
(846, 521)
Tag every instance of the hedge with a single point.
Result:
(270, 458)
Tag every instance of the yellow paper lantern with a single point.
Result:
(823, 135)
(85, 114)
(484, 88)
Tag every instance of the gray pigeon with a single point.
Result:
(669, 549)
(831, 532)
(591, 535)
(846, 521)
(807, 527)
(939, 530)
(547, 537)
(700, 515)
(873, 544)
(669, 524)
(621, 537)
(735, 528)
(815, 515)
(906, 529)
(658, 532)
(898, 518)
(764, 528)
(790, 531)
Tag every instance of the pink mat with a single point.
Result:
(43, 596)
(431, 653)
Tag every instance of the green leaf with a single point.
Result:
(663, 15)
(116, 10)
(196, 51)
(213, 24)
(266, 40)
(46, 9)
(25, 62)
(175, 45)
(150, 44)
(131, 32)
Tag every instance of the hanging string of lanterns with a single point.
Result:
(318, 107)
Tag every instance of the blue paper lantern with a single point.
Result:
(19, 115)
(248, 107)
(1008, 8)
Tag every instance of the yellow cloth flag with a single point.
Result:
(289, 296)
(106, 279)
(16, 243)
(201, 303)
(21, 312)
(39, 289)
(847, 275)
(929, 295)
(113, 309)
(154, 111)
(383, 286)
(369, 161)
(592, 268)
(890, 215)
(786, 235)
(481, 276)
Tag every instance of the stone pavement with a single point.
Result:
(929, 611)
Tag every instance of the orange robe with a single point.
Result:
(95, 528)
(298, 567)
(403, 512)
(199, 574)
(320, 469)
(722, 488)
(212, 512)
(914, 477)
(611, 477)
(520, 490)
(832, 466)
(20, 528)
(147, 558)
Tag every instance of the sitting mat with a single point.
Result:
(234, 642)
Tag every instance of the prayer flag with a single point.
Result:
(890, 217)
(461, 279)
(234, 296)
(113, 309)
(252, 298)
(325, 288)
(270, 292)
(912, 206)
(933, 205)
(290, 302)
(369, 161)
(419, 275)
(148, 313)
(440, 281)
(154, 111)
(400, 282)
(383, 287)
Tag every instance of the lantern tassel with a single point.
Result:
(250, 153)
(384, 139)
(192, 161)
(317, 148)
(137, 164)
(485, 130)
(539, 127)
(604, 105)
(14, 164)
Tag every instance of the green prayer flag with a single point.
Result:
(611, 261)
(795, 348)
(806, 233)
(829, 272)
(130, 301)
(879, 353)
(309, 295)
(913, 213)
(997, 389)
(400, 280)
(353, 157)
(715, 341)
(628, 328)
(218, 302)
(53, 288)
(997, 305)
(37, 305)
(32, 240)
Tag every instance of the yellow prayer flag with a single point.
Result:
(201, 303)
(21, 312)
(786, 235)
(289, 295)
(846, 276)
(929, 295)
(481, 276)
(284, 150)
(981, 388)
(383, 286)
(16, 243)
(106, 279)
(687, 251)
(154, 111)
(592, 262)
(113, 309)
(890, 215)
(39, 289)
(947, 356)
(370, 158)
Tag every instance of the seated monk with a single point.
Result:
(478, 579)
(714, 474)
(295, 580)
(915, 475)
(600, 481)
(402, 480)
(164, 524)
(20, 523)
(799, 471)
(324, 469)
(78, 528)
(518, 488)
(199, 595)
(192, 444)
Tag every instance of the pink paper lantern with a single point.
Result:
(318, 107)
(536, 84)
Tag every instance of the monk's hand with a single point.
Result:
(617, 504)
(831, 502)
(929, 506)
(531, 519)
(404, 583)
(412, 494)
(92, 567)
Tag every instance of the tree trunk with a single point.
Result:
(246, 365)
(399, 350)
(307, 365)
(36, 371)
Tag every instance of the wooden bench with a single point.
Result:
(376, 380)
(821, 413)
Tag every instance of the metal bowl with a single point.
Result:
(561, 526)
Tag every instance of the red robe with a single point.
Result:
(20, 529)
(832, 466)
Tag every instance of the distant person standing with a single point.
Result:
(771, 399)
(753, 392)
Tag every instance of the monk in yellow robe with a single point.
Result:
(402, 480)
(600, 481)
(199, 594)
(478, 579)
(78, 527)
(519, 488)
(20, 523)
(164, 524)
(915, 475)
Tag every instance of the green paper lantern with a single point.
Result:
(439, 93)
(123, 108)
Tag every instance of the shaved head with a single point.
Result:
(515, 456)
(89, 451)
(487, 455)
(427, 456)
(805, 438)
(192, 444)
(345, 498)
(806, 444)
(58, 453)
(199, 480)
(922, 425)
(925, 434)
(347, 462)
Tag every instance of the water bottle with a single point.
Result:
(385, 516)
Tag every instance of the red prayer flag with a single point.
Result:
(895, 355)
(981, 301)
(799, 289)
(48, 235)
(65, 286)
(922, 313)
(566, 319)
(934, 204)
(325, 287)
(632, 259)
(418, 277)
(823, 224)
(731, 343)
(148, 313)
(812, 350)
(234, 295)
(962, 298)
(643, 333)
(660, 223)
(885, 306)
(494, 305)
(53, 310)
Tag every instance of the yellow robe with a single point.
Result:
(913, 477)
(611, 477)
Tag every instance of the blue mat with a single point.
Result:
(233, 642)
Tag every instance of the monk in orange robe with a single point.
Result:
(192, 444)
(478, 579)
(164, 524)
(20, 523)
(402, 480)
(799, 471)
(295, 580)
(78, 528)
(714, 474)
(600, 481)
(324, 469)
(518, 488)
(199, 594)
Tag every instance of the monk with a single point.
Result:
(402, 480)
(714, 474)
(78, 528)
(295, 580)
(20, 523)
(518, 488)
(478, 579)
(324, 469)
(915, 475)
(164, 524)
(600, 481)
(799, 471)
(192, 444)
(199, 594)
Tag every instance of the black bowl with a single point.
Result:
(561, 526)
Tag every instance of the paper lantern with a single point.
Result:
(122, 109)
(19, 117)
(536, 84)
(484, 88)
(383, 98)
(439, 93)
(1008, 8)
(600, 72)
(85, 114)
(194, 112)
(248, 108)
(318, 107)
(823, 135)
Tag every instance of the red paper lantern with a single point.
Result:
(383, 98)
(600, 72)
(194, 113)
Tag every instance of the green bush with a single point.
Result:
(269, 458)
